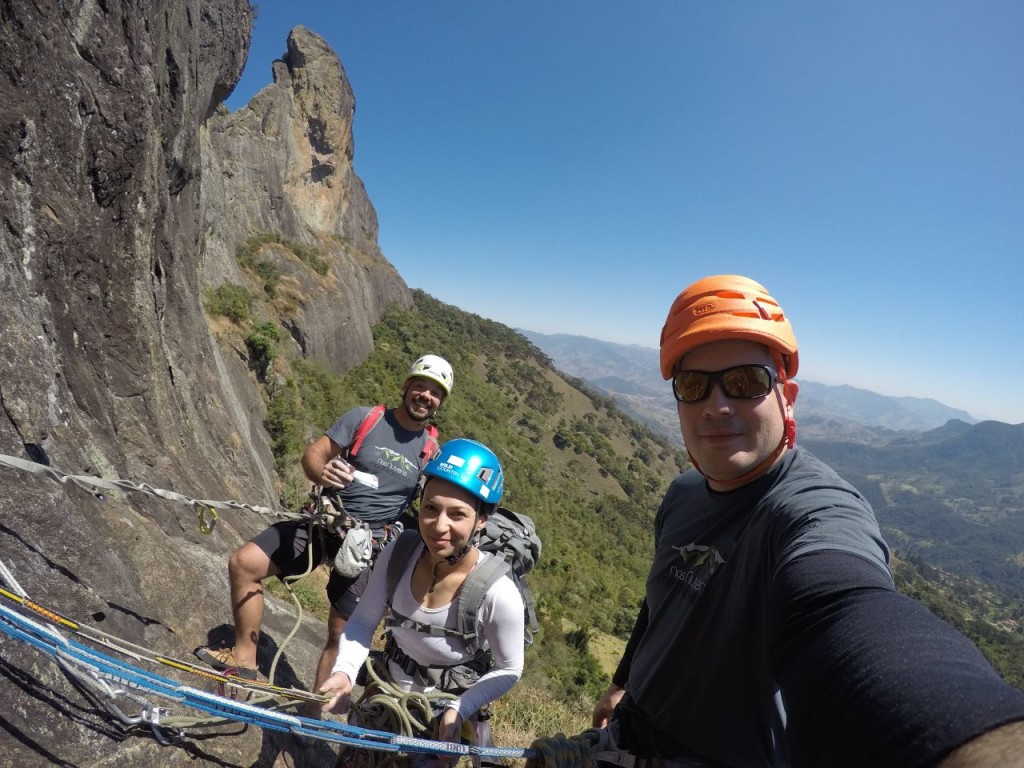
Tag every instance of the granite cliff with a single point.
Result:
(126, 192)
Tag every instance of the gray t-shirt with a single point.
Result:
(702, 665)
(390, 453)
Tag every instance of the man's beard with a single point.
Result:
(410, 405)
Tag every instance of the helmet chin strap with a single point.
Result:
(746, 477)
(451, 560)
(789, 390)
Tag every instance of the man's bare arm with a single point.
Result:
(316, 463)
(1002, 747)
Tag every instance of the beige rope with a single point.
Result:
(385, 707)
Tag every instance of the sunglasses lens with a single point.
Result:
(746, 381)
(690, 386)
(743, 382)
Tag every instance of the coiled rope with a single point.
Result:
(385, 707)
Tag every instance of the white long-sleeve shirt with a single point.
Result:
(499, 622)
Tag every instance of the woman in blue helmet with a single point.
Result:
(462, 486)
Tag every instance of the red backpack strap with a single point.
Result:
(365, 427)
(431, 446)
(370, 420)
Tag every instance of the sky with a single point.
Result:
(569, 166)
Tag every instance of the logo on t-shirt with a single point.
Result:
(394, 461)
(699, 563)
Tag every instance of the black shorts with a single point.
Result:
(289, 547)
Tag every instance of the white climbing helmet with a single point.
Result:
(434, 368)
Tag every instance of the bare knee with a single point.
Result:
(249, 564)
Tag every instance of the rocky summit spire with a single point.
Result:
(284, 164)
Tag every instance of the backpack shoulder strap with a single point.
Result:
(365, 427)
(401, 552)
(471, 596)
(431, 445)
(373, 417)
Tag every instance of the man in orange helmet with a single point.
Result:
(771, 633)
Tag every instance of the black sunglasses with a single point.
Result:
(741, 382)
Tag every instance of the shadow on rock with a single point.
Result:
(304, 751)
(285, 674)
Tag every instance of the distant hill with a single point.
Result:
(629, 374)
(953, 494)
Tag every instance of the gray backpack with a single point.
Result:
(513, 537)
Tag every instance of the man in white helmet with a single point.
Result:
(370, 460)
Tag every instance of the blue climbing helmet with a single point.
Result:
(472, 466)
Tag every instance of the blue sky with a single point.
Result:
(568, 166)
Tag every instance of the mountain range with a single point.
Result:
(629, 374)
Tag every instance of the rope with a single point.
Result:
(106, 677)
(289, 580)
(385, 707)
(561, 751)
(322, 516)
(318, 515)
(140, 653)
(132, 682)
(207, 515)
(93, 485)
(8, 577)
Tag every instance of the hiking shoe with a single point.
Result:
(223, 660)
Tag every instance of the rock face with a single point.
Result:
(283, 164)
(125, 192)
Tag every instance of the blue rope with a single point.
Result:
(52, 642)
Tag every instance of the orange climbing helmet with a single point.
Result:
(726, 307)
